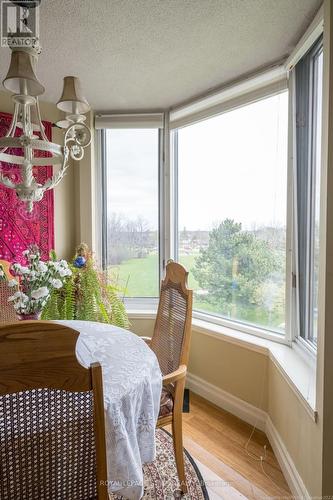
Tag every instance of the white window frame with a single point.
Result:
(304, 343)
(270, 88)
(312, 34)
(131, 121)
(237, 94)
(262, 86)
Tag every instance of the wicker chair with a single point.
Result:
(7, 311)
(51, 416)
(6, 266)
(170, 343)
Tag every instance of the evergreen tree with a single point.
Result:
(234, 266)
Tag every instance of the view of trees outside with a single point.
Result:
(236, 273)
(132, 206)
(232, 212)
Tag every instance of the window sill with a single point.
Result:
(296, 366)
(141, 314)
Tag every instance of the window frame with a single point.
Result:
(168, 210)
(139, 303)
(305, 341)
(267, 333)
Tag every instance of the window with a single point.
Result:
(308, 85)
(131, 208)
(231, 224)
(223, 207)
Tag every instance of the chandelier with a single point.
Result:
(26, 137)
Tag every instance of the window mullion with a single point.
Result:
(166, 195)
(291, 228)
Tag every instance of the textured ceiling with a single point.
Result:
(152, 54)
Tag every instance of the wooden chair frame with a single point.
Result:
(6, 266)
(7, 311)
(177, 274)
(41, 355)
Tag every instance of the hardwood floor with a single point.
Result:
(216, 440)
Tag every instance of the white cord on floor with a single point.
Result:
(254, 456)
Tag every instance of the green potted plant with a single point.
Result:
(88, 294)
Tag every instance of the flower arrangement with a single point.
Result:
(33, 283)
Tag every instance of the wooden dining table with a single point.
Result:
(132, 383)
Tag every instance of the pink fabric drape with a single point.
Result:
(18, 229)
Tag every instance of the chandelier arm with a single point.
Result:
(6, 182)
(14, 120)
(74, 133)
(77, 138)
(56, 178)
(12, 126)
(41, 126)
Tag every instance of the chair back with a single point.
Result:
(7, 311)
(172, 332)
(51, 416)
(5, 265)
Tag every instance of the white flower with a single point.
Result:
(24, 270)
(18, 295)
(64, 272)
(63, 263)
(25, 253)
(20, 305)
(17, 268)
(2, 274)
(12, 283)
(41, 292)
(56, 283)
(42, 267)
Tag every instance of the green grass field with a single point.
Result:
(140, 278)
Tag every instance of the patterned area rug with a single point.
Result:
(160, 477)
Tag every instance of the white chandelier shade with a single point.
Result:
(72, 100)
(21, 76)
(26, 133)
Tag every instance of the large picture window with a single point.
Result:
(231, 224)
(131, 209)
(224, 203)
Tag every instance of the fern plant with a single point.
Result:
(88, 294)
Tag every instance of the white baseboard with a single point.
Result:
(227, 401)
(288, 468)
(260, 419)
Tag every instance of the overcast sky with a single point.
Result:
(233, 165)
(133, 174)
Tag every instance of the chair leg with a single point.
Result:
(177, 437)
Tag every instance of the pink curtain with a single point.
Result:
(18, 229)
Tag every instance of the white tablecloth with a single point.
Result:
(132, 384)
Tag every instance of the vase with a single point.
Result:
(29, 316)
